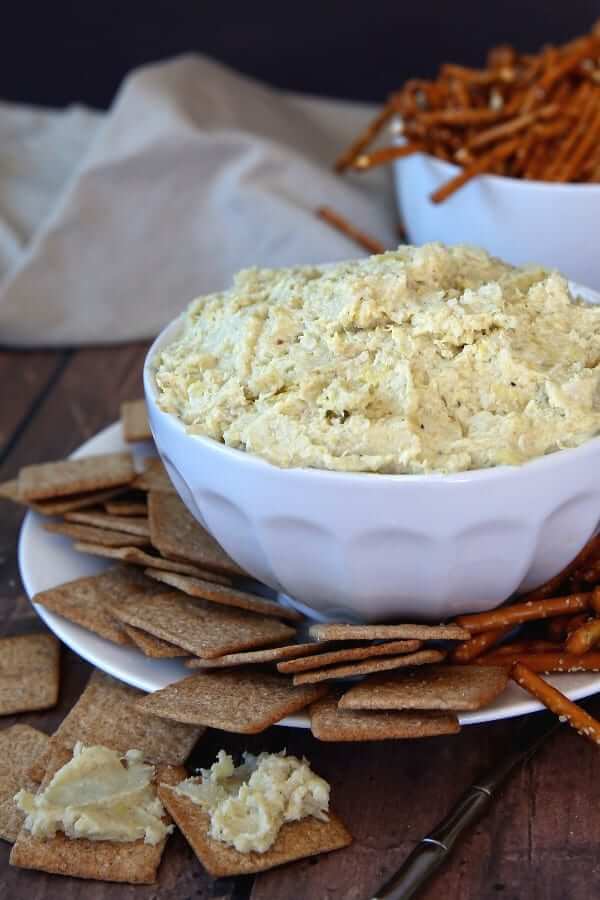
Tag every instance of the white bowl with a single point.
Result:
(520, 221)
(374, 547)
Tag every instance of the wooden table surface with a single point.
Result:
(538, 842)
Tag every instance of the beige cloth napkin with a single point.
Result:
(114, 223)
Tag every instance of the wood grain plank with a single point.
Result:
(24, 377)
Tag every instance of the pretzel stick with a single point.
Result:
(504, 130)
(584, 97)
(588, 142)
(589, 550)
(359, 237)
(577, 717)
(462, 116)
(532, 646)
(586, 636)
(366, 138)
(524, 612)
(591, 575)
(548, 662)
(469, 650)
(477, 168)
(385, 155)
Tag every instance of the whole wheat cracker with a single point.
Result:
(244, 701)
(9, 490)
(134, 419)
(138, 557)
(206, 631)
(341, 632)
(153, 646)
(96, 535)
(86, 601)
(226, 596)
(176, 534)
(74, 476)
(29, 673)
(253, 657)
(347, 655)
(378, 664)
(127, 505)
(295, 840)
(329, 723)
(132, 862)
(20, 746)
(107, 714)
(127, 524)
(154, 477)
(435, 687)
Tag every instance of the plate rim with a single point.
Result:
(78, 639)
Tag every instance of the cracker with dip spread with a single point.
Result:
(134, 419)
(29, 673)
(75, 476)
(175, 533)
(206, 631)
(20, 747)
(208, 590)
(330, 723)
(242, 701)
(130, 861)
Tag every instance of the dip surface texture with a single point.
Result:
(248, 804)
(100, 796)
(428, 359)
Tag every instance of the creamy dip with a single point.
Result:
(248, 804)
(425, 359)
(100, 796)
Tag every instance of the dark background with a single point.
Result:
(55, 53)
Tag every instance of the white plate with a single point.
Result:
(46, 560)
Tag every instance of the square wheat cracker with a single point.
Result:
(329, 723)
(175, 533)
(296, 840)
(138, 557)
(132, 862)
(9, 490)
(29, 673)
(206, 631)
(153, 646)
(242, 701)
(127, 505)
(347, 655)
(340, 632)
(436, 687)
(101, 536)
(107, 714)
(253, 657)
(226, 596)
(134, 419)
(74, 476)
(127, 524)
(378, 664)
(20, 747)
(154, 477)
(86, 601)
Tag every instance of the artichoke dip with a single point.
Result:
(248, 804)
(98, 795)
(424, 359)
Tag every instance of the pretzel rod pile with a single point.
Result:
(560, 632)
(525, 116)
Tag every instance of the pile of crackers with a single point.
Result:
(533, 116)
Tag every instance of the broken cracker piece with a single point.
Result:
(245, 701)
(134, 419)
